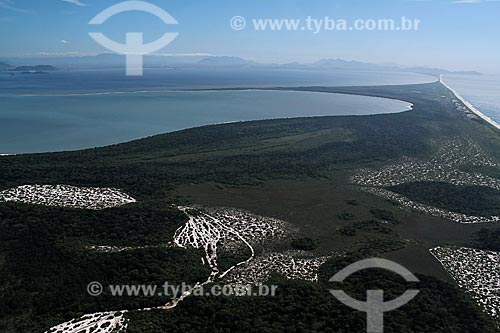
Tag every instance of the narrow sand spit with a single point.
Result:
(471, 107)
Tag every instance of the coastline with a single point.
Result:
(351, 99)
(471, 107)
(211, 90)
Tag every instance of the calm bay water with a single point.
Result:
(189, 78)
(50, 123)
(76, 110)
(482, 91)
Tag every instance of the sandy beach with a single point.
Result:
(471, 107)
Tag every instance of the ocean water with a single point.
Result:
(482, 91)
(84, 109)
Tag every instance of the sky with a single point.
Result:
(452, 34)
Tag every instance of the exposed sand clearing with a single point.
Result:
(101, 322)
(210, 228)
(292, 265)
(477, 272)
(445, 166)
(94, 198)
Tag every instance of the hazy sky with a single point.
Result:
(452, 34)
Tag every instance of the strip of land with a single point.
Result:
(471, 107)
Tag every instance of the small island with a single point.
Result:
(37, 68)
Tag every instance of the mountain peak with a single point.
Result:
(223, 61)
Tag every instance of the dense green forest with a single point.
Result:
(44, 261)
(309, 307)
(487, 239)
(474, 200)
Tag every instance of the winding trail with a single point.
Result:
(205, 231)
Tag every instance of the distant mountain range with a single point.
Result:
(109, 60)
(326, 64)
(225, 61)
(27, 69)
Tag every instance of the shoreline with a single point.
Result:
(467, 104)
(406, 106)
(203, 90)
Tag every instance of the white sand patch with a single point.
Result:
(211, 228)
(118, 249)
(112, 249)
(94, 198)
(292, 265)
(236, 226)
(101, 322)
(477, 272)
(444, 167)
(429, 210)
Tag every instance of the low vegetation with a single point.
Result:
(487, 239)
(304, 244)
(473, 200)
